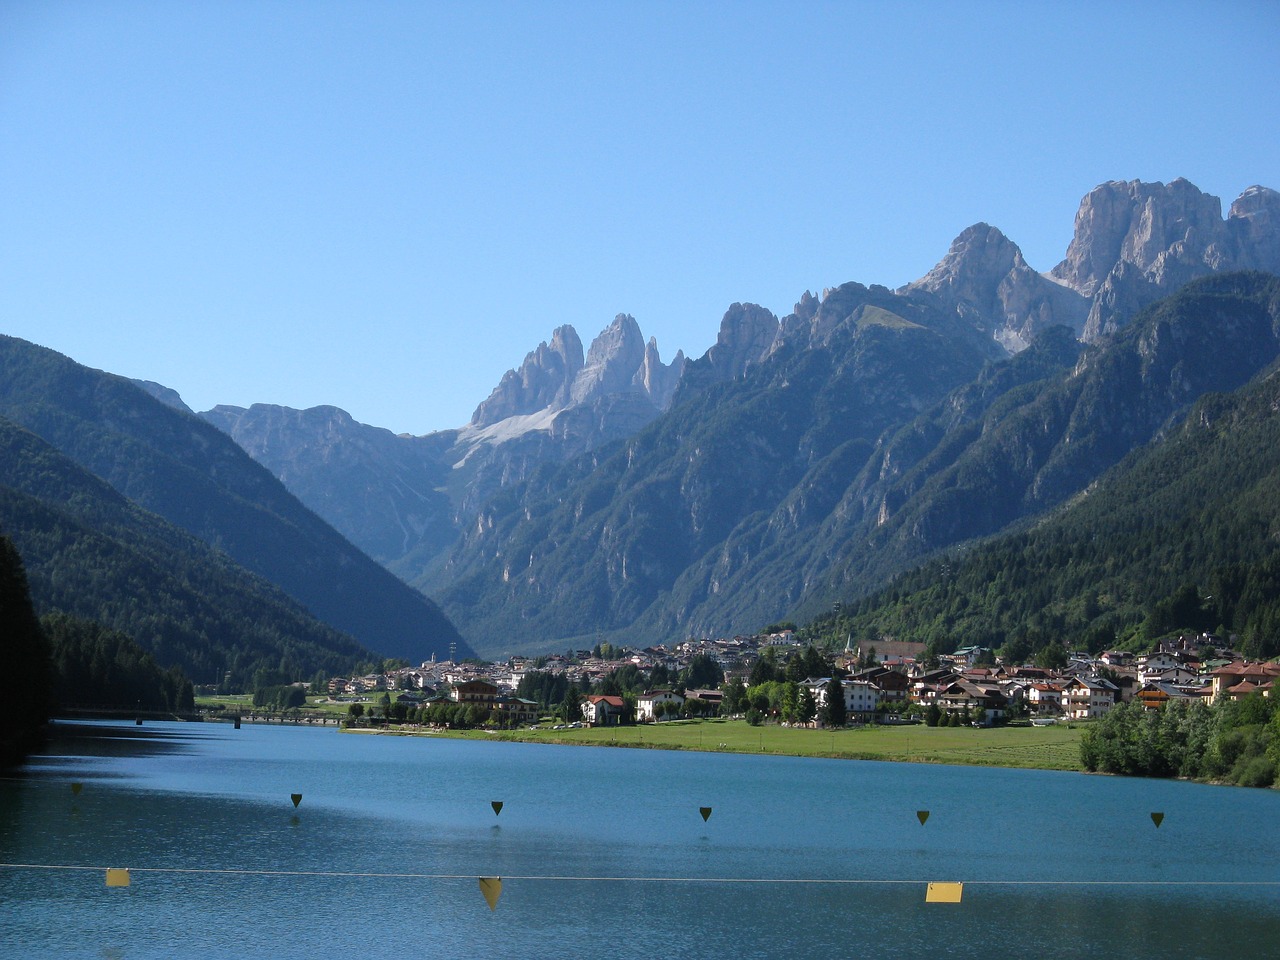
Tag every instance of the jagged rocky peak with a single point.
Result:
(813, 319)
(985, 278)
(1150, 225)
(1136, 241)
(556, 377)
(657, 380)
(747, 332)
(1254, 220)
(543, 380)
(976, 254)
(615, 357)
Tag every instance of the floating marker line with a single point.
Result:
(230, 871)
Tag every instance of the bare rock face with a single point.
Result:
(1162, 229)
(747, 331)
(1135, 242)
(615, 357)
(543, 380)
(657, 380)
(1254, 225)
(984, 277)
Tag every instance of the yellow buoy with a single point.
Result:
(76, 788)
(296, 798)
(922, 816)
(491, 887)
(943, 892)
(706, 813)
(117, 877)
(497, 806)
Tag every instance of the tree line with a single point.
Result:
(1233, 741)
(61, 661)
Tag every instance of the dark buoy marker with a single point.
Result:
(296, 798)
(1157, 819)
(497, 809)
(922, 816)
(491, 887)
(706, 813)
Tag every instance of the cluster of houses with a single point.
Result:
(1087, 687)
(1192, 668)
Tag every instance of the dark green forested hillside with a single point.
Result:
(191, 474)
(1183, 534)
(91, 553)
(96, 667)
(24, 662)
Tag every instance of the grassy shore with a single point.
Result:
(1039, 748)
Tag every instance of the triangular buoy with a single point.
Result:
(497, 806)
(706, 813)
(922, 816)
(491, 887)
(117, 877)
(1157, 819)
(76, 788)
(296, 798)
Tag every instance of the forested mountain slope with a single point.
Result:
(1183, 534)
(193, 475)
(91, 553)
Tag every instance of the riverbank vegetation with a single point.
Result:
(1234, 741)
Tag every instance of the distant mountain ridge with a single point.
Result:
(552, 429)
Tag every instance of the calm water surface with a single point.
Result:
(583, 826)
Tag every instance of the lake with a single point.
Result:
(605, 852)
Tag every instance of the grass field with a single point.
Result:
(1041, 748)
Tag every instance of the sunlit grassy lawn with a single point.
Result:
(1044, 748)
(243, 704)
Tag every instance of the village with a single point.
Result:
(890, 683)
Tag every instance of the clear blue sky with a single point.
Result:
(384, 205)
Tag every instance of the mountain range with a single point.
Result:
(800, 461)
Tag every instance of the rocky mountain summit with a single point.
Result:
(714, 505)
(1133, 243)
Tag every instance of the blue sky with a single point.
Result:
(383, 206)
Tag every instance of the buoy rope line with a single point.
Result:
(584, 879)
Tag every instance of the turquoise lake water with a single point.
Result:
(604, 852)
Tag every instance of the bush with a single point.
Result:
(1254, 772)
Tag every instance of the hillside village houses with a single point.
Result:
(1087, 687)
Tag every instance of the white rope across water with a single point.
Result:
(833, 881)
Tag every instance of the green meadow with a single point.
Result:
(1042, 748)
